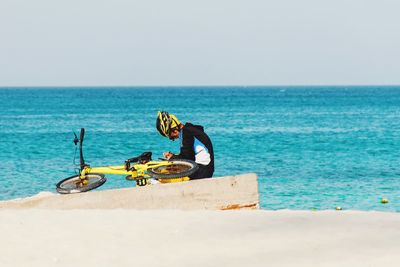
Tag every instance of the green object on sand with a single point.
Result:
(384, 200)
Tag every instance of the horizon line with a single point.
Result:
(191, 86)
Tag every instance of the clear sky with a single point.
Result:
(207, 42)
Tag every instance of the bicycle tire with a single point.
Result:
(71, 184)
(189, 167)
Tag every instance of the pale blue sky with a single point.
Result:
(208, 42)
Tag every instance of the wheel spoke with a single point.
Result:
(173, 168)
(75, 183)
(177, 169)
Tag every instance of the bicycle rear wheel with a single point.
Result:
(75, 184)
(178, 168)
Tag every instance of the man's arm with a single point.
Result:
(187, 147)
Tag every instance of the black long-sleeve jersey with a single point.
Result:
(196, 146)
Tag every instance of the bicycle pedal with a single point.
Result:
(141, 181)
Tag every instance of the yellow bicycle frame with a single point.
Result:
(138, 171)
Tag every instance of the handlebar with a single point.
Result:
(82, 135)
(82, 160)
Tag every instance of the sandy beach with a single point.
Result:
(121, 237)
(208, 222)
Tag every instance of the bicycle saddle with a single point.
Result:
(143, 158)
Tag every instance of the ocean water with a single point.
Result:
(312, 147)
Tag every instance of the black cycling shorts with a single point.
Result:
(204, 171)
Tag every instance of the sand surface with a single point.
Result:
(229, 192)
(122, 237)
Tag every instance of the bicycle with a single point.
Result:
(139, 169)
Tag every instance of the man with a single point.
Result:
(195, 143)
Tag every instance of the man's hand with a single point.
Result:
(167, 155)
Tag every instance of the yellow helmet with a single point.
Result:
(166, 122)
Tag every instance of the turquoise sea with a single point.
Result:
(312, 147)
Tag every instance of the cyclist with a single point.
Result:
(195, 143)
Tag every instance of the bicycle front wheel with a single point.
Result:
(178, 168)
(75, 184)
